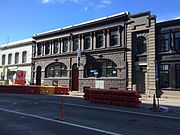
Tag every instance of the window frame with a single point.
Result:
(16, 58)
(164, 81)
(10, 58)
(164, 44)
(113, 35)
(24, 56)
(56, 69)
(176, 46)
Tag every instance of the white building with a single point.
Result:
(13, 57)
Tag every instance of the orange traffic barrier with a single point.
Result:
(113, 97)
(34, 89)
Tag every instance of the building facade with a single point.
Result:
(168, 56)
(15, 56)
(117, 52)
(102, 62)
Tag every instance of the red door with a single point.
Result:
(75, 78)
(38, 75)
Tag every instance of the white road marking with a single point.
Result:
(61, 122)
(115, 110)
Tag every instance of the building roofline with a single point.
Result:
(17, 43)
(168, 21)
(82, 24)
(140, 14)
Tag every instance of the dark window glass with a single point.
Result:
(56, 46)
(16, 58)
(3, 59)
(141, 45)
(178, 75)
(104, 68)
(113, 37)
(75, 43)
(164, 76)
(99, 40)
(65, 45)
(39, 48)
(56, 70)
(10, 58)
(164, 43)
(177, 41)
(24, 56)
(86, 42)
(47, 48)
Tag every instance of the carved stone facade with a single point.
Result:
(102, 62)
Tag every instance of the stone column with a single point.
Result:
(36, 50)
(122, 36)
(79, 42)
(44, 48)
(94, 40)
(59, 46)
(82, 42)
(69, 44)
(104, 39)
(108, 39)
(91, 41)
(52, 47)
(119, 36)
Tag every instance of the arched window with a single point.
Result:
(24, 56)
(16, 57)
(103, 68)
(56, 69)
(10, 58)
(141, 45)
(3, 59)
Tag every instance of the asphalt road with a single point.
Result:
(40, 114)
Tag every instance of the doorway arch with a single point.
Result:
(75, 78)
(38, 75)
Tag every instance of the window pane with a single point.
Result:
(86, 42)
(65, 45)
(113, 38)
(164, 76)
(164, 42)
(75, 44)
(3, 59)
(178, 75)
(24, 57)
(47, 48)
(16, 58)
(141, 45)
(56, 47)
(177, 41)
(56, 70)
(9, 58)
(39, 49)
(99, 40)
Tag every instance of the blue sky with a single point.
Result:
(21, 19)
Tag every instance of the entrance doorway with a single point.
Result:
(38, 75)
(141, 80)
(75, 78)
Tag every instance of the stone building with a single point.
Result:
(168, 56)
(117, 52)
(15, 56)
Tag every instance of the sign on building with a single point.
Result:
(20, 77)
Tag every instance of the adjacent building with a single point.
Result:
(13, 57)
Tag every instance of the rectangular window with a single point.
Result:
(65, 45)
(99, 40)
(113, 37)
(56, 46)
(75, 43)
(177, 75)
(86, 42)
(164, 43)
(3, 59)
(164, 76)
(47, 48)
(177, 41)
(39, 48)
